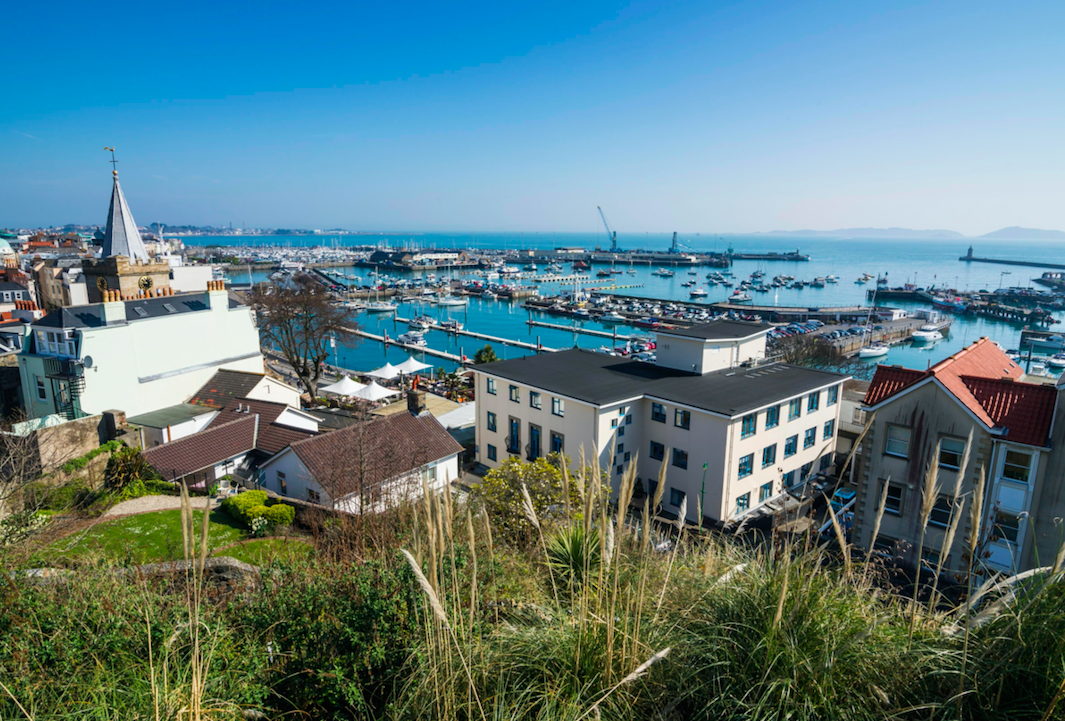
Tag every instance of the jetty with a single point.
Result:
(970, 258)
(406, 346)
(587, 331)
(537, 347)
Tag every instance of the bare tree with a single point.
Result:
(816, 352)
(299, 319)
(20, 465)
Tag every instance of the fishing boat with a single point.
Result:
(412, 338)
(699, 293)
(580, 265)
(926, 334)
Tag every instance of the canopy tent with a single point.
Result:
(385, 372)
(412, 366)
(374, 392)
(344, 387)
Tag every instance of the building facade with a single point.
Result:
(733, 430)
(977, 394)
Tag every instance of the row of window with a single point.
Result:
(558, 405)
(512, 442)
(772, 415)
(681, 417)
(1017, 465)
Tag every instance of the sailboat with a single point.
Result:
(873, 350)
(380, 306)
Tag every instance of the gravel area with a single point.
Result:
(157, 503)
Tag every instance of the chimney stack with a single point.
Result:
(416, 402)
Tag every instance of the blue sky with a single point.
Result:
(696, 117)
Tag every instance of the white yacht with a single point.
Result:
(380, 306)
(412, 338)
(698, 293)
(612, 317)
(422, 322)
(876, 350)
(926, 334)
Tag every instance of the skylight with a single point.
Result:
(169, 308)
(141, 312)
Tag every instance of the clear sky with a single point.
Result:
(688, 116)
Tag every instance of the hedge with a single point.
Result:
(250, 505)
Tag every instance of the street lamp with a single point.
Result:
(1001, 276)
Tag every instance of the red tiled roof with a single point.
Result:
(984, 380)
(211, 446)
(375, 451)
(1026, 409)
(273, 436)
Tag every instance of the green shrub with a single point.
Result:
(125, 466)
(255, 512)
(76, 464)
(238, 506)
(280, 514)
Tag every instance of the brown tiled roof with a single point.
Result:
(209, 447)
(273, 437)
(225, 386)
(377, 450)
(984, 380)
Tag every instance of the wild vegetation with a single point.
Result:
(433, 611)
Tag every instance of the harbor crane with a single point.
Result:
(609, 233)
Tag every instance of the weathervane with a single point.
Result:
(114, 163)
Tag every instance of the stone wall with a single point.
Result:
(58, 444)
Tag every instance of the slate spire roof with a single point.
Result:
(121, 236)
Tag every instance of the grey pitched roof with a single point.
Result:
(602, 379)
(10, 285)
(89, 316)
(721, 329)
(169, 416)
(121, 236)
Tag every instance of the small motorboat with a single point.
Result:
(700, 293)
(612, 317)
(1056, 361)
(1052, 342)
(876, 350)
(926, 334)
(739, 297)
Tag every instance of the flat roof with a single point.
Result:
(602, 379)
(169, 416)
(721, 329)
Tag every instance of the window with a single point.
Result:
(885, 544)
(680, 458)
(621, 430)
(658, 412)
(628, 420)
(893, 503)
(813, 402)
(804, 472)
(743, 503)
(750, 423)
(858, 417)
(514, 438)
(826, 461)
(491, 421)
(558, 407)
(833, 396)
(515, 394)
(682, 419)
(898, 441)
(1007, 526)
(141, 312)
(42, 394)
(941, 512)
(765, 492)
(791, 446)
(613, 422)
(930, 558)
(1017, 466)
(314, 496)
(534, 400)
(772, 417)
(620, 449)
(809, 438)
(676, 497)
(627, 457)
(658, 451)
(830, 427)
(746, 465)
(950, 452)
(491, 387)
(794, 409)
(282, 485)
(769, 455)
(558, 442)
(491, 452)
(169, 308)
(534, 451)
(789, 479)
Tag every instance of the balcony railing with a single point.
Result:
(64, 369)
(513, 446)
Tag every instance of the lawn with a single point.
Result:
(262, 551)
(143, 538)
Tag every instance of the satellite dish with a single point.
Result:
(88, 361)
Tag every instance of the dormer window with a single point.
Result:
(57, 342)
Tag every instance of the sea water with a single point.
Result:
(924, 263)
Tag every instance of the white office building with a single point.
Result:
(735, 430)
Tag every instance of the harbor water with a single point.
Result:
(924, 263)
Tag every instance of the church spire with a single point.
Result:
(121, 236)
